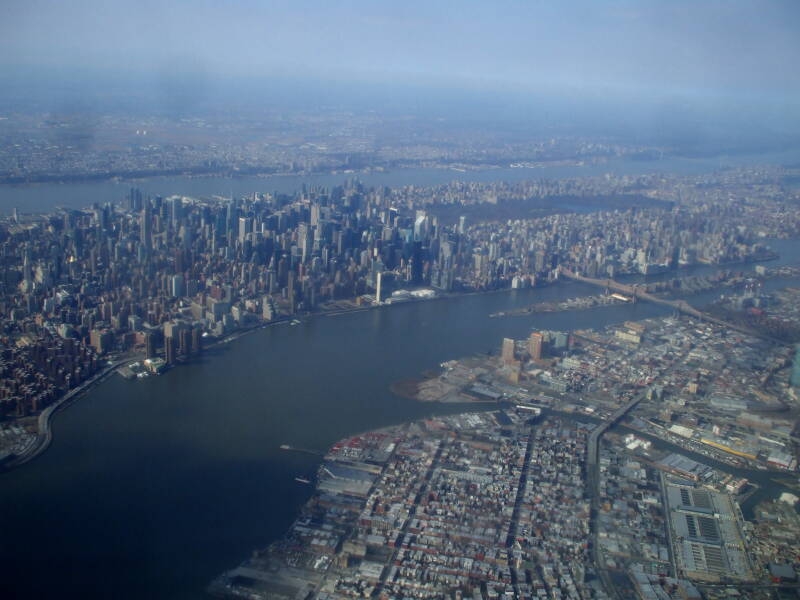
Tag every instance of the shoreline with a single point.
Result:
(44, 434)
(267, 173)
(458, 167)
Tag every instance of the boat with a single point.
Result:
(301, 480)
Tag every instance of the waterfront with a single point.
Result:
(153, 487)
(765, 480)
(42, 197)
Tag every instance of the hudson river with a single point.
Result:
(42, 197)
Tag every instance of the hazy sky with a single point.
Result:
(690, 47)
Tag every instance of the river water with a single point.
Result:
(151, 488)
(32, 198)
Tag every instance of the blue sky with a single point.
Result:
(749, 48)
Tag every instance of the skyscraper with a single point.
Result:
(378, 286)
(245, 227)
(147, 225)
(290, 292)
(535, 345)
(197, 340)
(169, 350)
(176, 212)
(150, 345)
(508, 351)
(177, 285)
(268, 312)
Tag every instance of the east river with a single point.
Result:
(153, 487)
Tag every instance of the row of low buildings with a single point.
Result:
(632, 524)
(471, 506)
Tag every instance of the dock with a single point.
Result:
(289, 448)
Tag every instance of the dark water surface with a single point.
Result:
(152, 487)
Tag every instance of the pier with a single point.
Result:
(289, 448)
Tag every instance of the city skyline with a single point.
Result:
(465, 300)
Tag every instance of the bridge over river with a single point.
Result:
(637, 292)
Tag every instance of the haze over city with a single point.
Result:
(466, 300)
(661, 60)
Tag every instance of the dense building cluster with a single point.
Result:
(633, 524)
(477, 505)
(73, 146)
(156, 276)
(498, 504)
(37, 370)
(719, 393)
